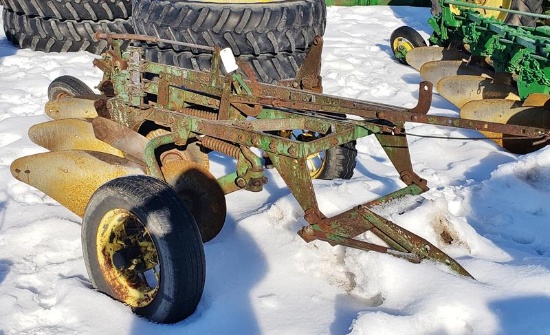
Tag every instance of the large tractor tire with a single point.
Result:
(529, 6)
(53, 35)
(72, 10)
(267, 68)
(141, 246)
(247, 27)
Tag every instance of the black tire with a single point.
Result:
(171, 228)
(248, 28)
(55, 35)
(68, 86)
(72, 10)
(268, 68)
(529, 6)
(404, 39)
(339, 162)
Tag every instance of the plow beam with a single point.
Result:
(460, 90)
(71, 177)
(508, 112)
(417, 57)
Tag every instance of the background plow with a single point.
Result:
(135, 167)
(491, 70)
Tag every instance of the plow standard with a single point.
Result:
(133, 163)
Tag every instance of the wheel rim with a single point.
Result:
(316, 161)
(128, 258)
(58, 94)
(401, 46)
(316, 164)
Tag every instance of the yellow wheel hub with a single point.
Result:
(402, 45)
(128, 258)
(315, 162)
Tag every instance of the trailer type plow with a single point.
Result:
(491, 70)
(133, 163)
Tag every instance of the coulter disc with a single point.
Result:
(508, 112)
(72, 176)
(421, 55)
(436, 70)
(200, 191)
(462, 89)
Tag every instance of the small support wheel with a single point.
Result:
(403, 40)
(141, 246)
(68, 86)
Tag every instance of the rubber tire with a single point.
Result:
(68, 86)
(72, 10)
(268, 68)
(247, 28)
(410, 35)
(529, 6)
(339, 162)
(55, 35)
(172, 229)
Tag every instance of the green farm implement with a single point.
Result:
(491, 70)
(133, 162)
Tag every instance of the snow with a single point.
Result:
(262, 278)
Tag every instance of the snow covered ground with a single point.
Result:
(261, 277)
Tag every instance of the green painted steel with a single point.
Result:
(521, 51)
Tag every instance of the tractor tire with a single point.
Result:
(53, 35)
(68, 86)
(267, 68)
(141, 246)
(529, 6)
(403, 40)
(248, 28)
(93, 10)
(339, 162)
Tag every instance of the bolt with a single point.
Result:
(240, 182)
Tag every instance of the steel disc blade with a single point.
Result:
(421, 55)
(436, 70)
(462, 89)
(68, 134)
(70, 107)
(71, 177)
(508, 112)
